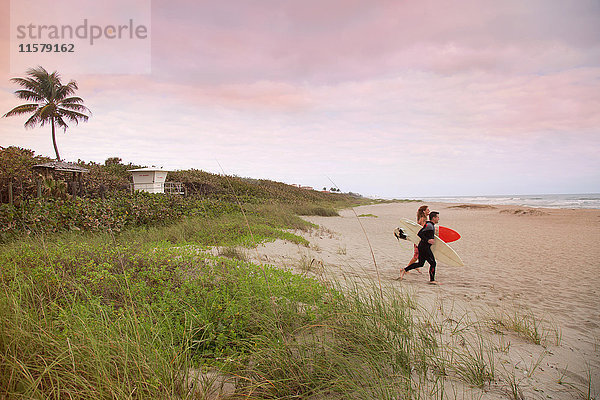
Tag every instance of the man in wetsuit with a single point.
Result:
(427, 235)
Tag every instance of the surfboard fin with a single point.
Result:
(399, 233)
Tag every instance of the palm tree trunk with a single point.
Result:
(54, 141)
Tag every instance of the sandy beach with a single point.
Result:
(517, 260)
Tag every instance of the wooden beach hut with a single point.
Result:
(54, 168)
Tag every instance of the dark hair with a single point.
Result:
(433, 214)
(421, 213)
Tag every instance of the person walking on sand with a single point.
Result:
(422, 214)
(427, 235)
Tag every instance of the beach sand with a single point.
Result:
(518, 261)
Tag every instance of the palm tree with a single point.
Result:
(50, 101)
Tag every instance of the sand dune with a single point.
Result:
(517, 260)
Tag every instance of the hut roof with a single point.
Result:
(148, 169)
(61, 166)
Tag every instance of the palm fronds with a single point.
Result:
(54, 102)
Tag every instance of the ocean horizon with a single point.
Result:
(567, 201)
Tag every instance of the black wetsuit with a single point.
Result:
(425, 253)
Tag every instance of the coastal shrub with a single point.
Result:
(118, 212)
(111, 214)
(16, 167)
(189, 219)
(113, 177)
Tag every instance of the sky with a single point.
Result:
(386, 98)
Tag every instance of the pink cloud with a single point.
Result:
(288, 89)
(334, 41)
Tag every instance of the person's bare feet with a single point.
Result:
(402, 272)
(434, 283)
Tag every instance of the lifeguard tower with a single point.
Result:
(152, 180)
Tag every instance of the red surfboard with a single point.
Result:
(448, 235)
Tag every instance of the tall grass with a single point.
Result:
(322, 211)
(360, 349)
(149, 314)
(122, 322)
(527, 325)
(222, 230)
(100, 320)
(72, 349)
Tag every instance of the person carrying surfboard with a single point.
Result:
(422, 214)
(427, 236)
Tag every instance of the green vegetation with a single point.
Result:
(108, 205)
(125, 297)
(150, 313)
(95, 316)
(118, 297)
(90, 318)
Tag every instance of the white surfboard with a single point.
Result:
(443, 253)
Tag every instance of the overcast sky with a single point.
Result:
(385, 98)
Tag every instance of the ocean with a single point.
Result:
(587, 200)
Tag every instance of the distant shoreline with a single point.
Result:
(551, 201)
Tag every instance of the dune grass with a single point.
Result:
(150, 313)
(98, 319)
(120, 322)
(527, 325)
